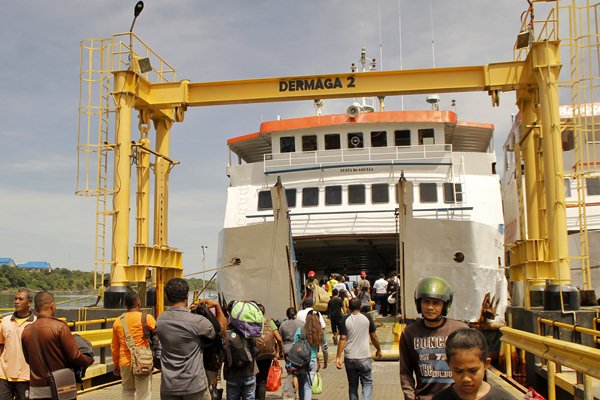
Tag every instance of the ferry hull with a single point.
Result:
(255, 266)
(266, 275)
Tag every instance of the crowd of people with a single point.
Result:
(440, 358)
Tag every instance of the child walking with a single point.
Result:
(467, 356)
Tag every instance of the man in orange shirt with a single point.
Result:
(135, 387)
(14, 370)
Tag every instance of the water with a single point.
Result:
(75, 300)
(62, 300)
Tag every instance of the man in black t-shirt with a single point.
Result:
(334, 312)
(423, 367)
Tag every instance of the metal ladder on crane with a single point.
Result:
(96, 111)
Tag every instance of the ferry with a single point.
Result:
(340, 173)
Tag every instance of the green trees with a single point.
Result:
(61, 279)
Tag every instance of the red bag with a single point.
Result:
(274, 377)
(533, 395)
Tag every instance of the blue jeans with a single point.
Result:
(305, 383)
(242, 387)
(359, 369)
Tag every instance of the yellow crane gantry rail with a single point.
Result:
(534, 80)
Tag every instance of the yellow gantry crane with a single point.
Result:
(143, 82)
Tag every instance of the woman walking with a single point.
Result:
(316, 337)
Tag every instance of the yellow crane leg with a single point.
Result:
(113, 296)
(546, 66)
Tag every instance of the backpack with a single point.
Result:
(213, 351)
(266, 345)
(237, 351)
(247, 319)
(142, 361)
(300, 354)
(321, 299)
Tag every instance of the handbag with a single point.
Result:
(274, 377)
(62, 381)
(142, 359)
(317, 384)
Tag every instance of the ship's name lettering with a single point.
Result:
(299, 85)
(363, 169)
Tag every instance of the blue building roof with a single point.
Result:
(35, 265)
(8, 261)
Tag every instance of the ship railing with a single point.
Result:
(435, 154)
(552, 355)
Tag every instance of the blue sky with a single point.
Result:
(42, 219)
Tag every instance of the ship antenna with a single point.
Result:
(432, 38)
(380, 42)
(400, 39)
(434, 99)
(318, 107)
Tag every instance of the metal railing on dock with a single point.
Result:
(555, 353)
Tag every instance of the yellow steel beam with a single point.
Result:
(492, 77)
(581, 358)
(98, 337)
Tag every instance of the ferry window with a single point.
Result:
(402, 138)
(426, 136)
(379, 139)
(332, 141)
(290, 195)
(567, 187)
(309, 143)
(452, 192)
(264, 200)
(380, 193)
(355, 140)
(310, 196)
(428, 193)
(287, 144)
(333, 195)
(356, 194)
(593, 186)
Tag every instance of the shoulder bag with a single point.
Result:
(142, 361)
(62, 381)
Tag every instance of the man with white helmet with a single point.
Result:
(423, 343)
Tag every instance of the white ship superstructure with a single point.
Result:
(340, 173)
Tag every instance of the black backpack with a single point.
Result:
(238, 350)
(300, 354)
(213, 350)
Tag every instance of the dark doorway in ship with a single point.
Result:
(347, 254)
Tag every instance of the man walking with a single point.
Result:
(355, 330)
(14, 371)
(181, 334)
(60, 349)
(136, 387)
(380, 287)
(101, 290)
(334, 312)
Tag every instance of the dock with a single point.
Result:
(386, 376)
